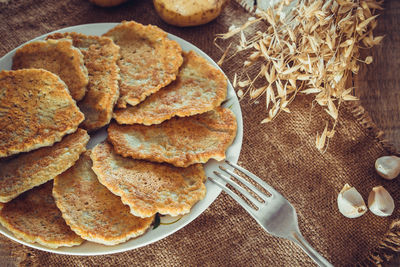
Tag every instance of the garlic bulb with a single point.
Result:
(350, 202)
(380, 202)
(388, 167)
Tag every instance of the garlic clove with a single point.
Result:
(350, 202)
(380, 202)
(388, 167)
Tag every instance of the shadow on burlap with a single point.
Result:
(281, 152)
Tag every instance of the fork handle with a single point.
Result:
(311, 252)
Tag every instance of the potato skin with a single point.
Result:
(107, 3)
(188, 12)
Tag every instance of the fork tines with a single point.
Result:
(239, 188)
(274, 213)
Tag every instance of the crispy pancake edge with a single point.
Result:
(76, 117)
(35, 238)
(173, 54)
(97, 101)
(100, 155)
(127, 115)
(69, 141)
(86, 234)
(116, 137)
(78, 88)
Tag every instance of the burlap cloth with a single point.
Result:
(281, 152)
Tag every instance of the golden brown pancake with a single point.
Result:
(146, 187)
(91, 210)
(36, 110)
(35, 218)
(178, 141)
(199, 87)
(149, 60)
(27, 170)
(100, 57)
(58, 57)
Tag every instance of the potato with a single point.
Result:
(188, 12)
(107, 3)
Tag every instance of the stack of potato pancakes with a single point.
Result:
(167, 122)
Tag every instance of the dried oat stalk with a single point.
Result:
(309, 47)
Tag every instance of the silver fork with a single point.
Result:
(276, 215)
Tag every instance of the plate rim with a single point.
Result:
(7, 58)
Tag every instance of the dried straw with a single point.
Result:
(309, 47)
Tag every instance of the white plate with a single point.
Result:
(90, 248)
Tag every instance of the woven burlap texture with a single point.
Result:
(281, 152)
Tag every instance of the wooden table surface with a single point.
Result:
(378, 84)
